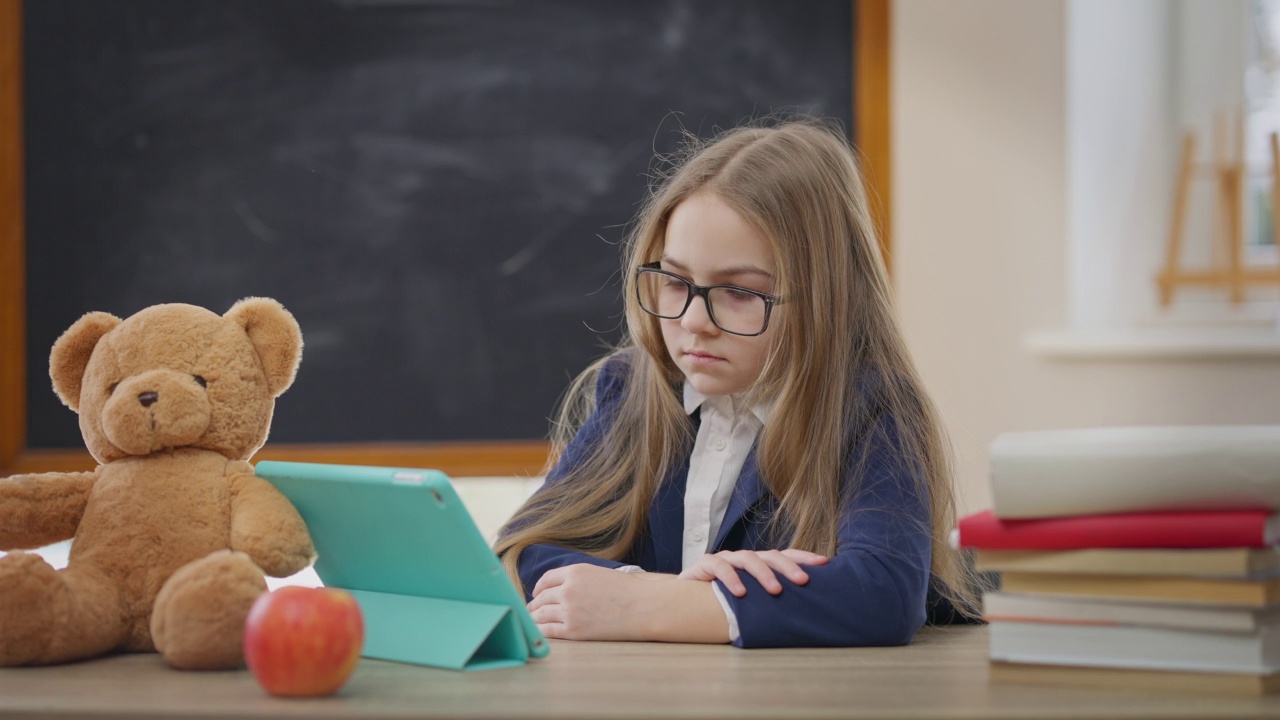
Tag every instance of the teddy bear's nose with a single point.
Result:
(148, 398)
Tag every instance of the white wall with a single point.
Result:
(981, 215)
(1121, 141)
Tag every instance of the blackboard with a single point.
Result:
(436, 190)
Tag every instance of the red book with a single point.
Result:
(1190, 529)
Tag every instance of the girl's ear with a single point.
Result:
(275, 336)
(71, 353)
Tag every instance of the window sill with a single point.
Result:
(1165, 343)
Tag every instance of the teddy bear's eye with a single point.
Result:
(201, 380)
(112, 387)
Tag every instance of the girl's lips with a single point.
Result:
(701, 358)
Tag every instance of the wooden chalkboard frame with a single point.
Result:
(871, 112)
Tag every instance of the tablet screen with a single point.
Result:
(397, 530)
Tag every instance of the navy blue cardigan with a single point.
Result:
(872, 592)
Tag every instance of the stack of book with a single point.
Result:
(1134, 557)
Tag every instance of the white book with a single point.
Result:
(1223, 562)
(1002, 606)
(1052, 473)
(1134, 646)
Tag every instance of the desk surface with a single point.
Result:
(942, 674)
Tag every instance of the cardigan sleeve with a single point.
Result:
(872, 592)
(536, 560)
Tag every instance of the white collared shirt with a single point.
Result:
(725, 436)
(726, 433)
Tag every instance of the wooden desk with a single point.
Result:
(942, 675)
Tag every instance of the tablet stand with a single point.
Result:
(452, 634)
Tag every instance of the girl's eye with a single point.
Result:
(112, 387)
(201, 380)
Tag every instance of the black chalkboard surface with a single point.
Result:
(435, 189)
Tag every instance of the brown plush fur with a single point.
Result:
(172, 531)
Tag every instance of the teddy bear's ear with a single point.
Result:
(275, 335)
(71, 353)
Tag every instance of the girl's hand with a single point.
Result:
(763, 566)
(588, 602)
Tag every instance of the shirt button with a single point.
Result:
(697, 536)
(720, 444)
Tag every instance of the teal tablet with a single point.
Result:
(431, 590)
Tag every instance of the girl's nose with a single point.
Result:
(697, 318)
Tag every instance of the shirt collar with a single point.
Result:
(694, 400)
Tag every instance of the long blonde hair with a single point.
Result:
(837, 364)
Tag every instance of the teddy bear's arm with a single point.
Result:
(40, 509)
(266, 527)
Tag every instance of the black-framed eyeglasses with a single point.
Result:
(735, 310)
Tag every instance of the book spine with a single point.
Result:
(1219, 562)
(1054, 474)
(1237, 593)
(1136, 530)
(1136, 647)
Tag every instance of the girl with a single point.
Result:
(758, 462)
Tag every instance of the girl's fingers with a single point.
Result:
(804, 557)
(725, 571)
(547, 613)
(541, 599)
(764, 566)
(698, 572)
(786, 566)
(759, 569)
(553, 631)
(550, 578)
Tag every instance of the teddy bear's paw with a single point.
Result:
(28, 592)
(197, 622)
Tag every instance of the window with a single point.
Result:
(1262, 107)
(1139, 75)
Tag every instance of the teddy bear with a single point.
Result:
(172, 532)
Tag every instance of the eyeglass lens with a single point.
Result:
(735, 311)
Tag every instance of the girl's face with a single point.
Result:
(708, 243)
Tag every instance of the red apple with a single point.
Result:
(303, 641)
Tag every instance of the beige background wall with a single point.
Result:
(980, 212)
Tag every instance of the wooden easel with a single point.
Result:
(1229, 174)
